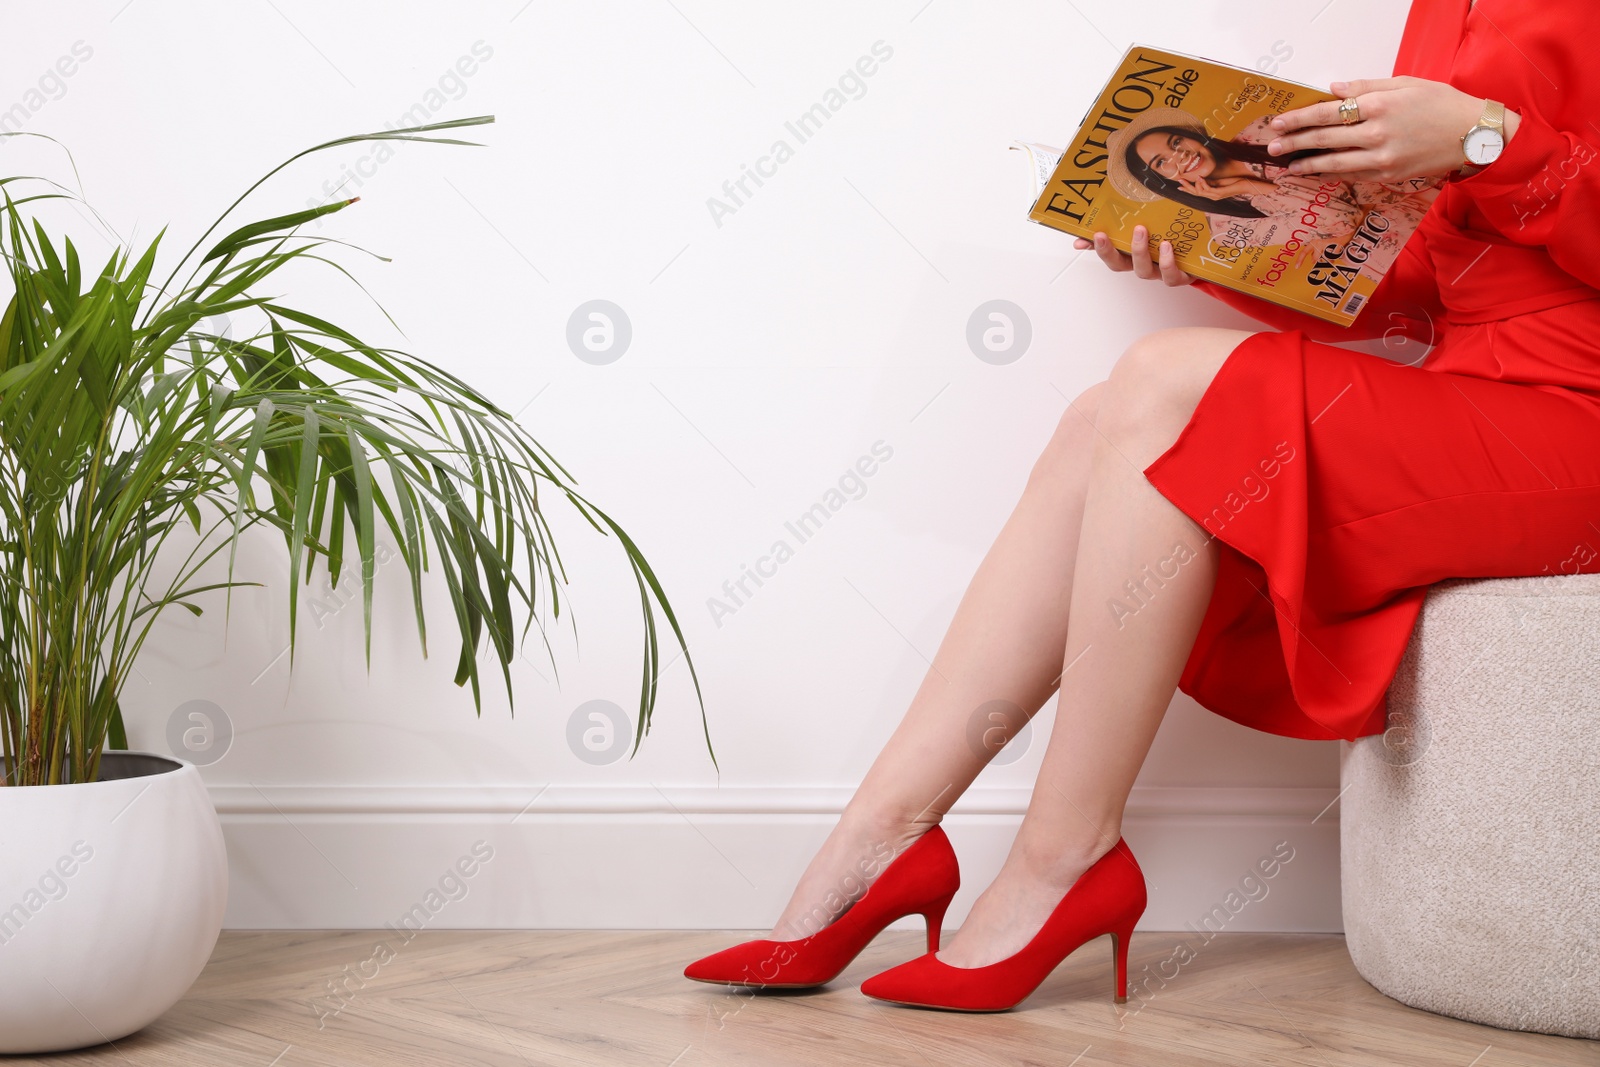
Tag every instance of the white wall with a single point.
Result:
(770, 350)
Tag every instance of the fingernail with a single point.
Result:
(1278, 123)
(1275, 147)
(1339, 87)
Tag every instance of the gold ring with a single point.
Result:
(1349, 111)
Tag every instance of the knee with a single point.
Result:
(1067, 453)
(1149, 389)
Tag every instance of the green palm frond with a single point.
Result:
(124, 420)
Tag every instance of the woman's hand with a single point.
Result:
(1410, 128)
(1140, 262)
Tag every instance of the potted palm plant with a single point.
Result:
(132, 430)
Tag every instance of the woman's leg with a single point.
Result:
(1002, 650)
(1004, 645)
(1142, 580)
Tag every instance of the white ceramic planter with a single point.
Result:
(111, 899)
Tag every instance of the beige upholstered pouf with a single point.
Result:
(1470, 831)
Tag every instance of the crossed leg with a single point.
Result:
(1087, 522)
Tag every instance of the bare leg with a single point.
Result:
(1120, 666)
(1004, 645)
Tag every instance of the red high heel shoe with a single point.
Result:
(1108, 898)
(920, 881)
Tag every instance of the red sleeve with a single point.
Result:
(1544, 190)
(1406, 300)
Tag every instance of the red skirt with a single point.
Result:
(1339, 485)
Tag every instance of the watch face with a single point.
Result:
(1483, 145)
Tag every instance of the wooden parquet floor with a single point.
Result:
(618, 998)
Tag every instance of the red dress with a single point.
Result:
(1339, 485)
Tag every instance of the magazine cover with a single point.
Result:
(1179, 144)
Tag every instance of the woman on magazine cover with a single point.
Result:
(1252, 517)
(1249, 196)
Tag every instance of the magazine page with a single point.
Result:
(1042, 161)
(1178, 144)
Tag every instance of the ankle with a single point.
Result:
(1059, 864)
(860, 848)
(892, 822)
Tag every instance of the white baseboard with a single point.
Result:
(642, 857)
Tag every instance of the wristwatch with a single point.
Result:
(1483, 144)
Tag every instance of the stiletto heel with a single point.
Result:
(1119, 959)
(1108, 898)
(935, 919)
(919, 881)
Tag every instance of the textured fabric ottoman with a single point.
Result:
(1470, 830)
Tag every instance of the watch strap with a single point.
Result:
(1494, 114)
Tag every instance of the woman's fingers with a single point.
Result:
(1142, 266)
(1165, 268)
(1139, 262)
(1326, 112)
(1335, 136)
(1353, 165)
(1371, 85)
(1110, 255)
(1170, 272)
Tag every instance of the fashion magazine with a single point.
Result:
(1179, 144)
